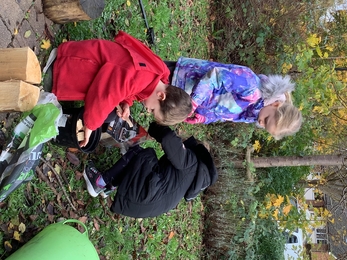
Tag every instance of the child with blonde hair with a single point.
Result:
(228, 92)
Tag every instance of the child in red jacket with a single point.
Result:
(105, 74)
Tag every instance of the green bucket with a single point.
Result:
(58, 242)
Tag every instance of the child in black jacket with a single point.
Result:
(148, 187)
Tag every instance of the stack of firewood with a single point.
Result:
(20, 72)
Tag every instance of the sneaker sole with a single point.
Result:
(90, 188)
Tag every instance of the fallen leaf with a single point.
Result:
(73, 158)
(8, 246)
(10, 226)
(27, 34)
(16, 235)
(96, 225)
(57, 168)
(45, 44)
(22, 227)
(33, 217)
(83, 219)
(15, 31)
(171, 235)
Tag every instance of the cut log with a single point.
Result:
(17, 95)
(65, 11)
(19, 64)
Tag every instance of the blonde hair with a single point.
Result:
(289, 119)
(176, 106)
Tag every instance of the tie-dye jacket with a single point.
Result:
(219, 92)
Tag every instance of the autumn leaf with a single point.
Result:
(22, 227)
(45, 44)
(256, 146)
(96, 225)
(8, 245)
(278, 201)
(268, 205)
(27, 34)
(275, 214)
(128, 3)
(287, 209)
(15, 32)
(171, 235)
(16, 235)
(313, 40)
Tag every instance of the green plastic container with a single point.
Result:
(58, 242)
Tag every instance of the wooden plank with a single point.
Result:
(19, 64)
(17, 95)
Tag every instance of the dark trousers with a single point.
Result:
(116, 173)
(171, 66)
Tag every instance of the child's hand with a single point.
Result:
(124, 111)
(87, 133)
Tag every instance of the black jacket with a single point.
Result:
(152, 187)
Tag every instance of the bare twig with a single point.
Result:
(59, 181)
(45, 179)
(249, 175)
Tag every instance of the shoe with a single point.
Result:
(106, 192)
(91, 175)
(51, 58)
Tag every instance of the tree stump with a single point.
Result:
(65, 11)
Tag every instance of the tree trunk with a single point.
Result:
(280, 161)
(64, 11)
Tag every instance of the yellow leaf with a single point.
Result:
(8, 244)
(16, 235)
(128, 3)
(257, 146)
(45, 44)
(275, 214)
(287, 209)
(329, 48)
(15, 32)
(278, 201)
(120, 229)
(22, 227)
(313, 40)
(268, 205)
(27, 34)
(10, 226)
(319, 52)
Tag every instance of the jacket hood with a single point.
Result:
(206, 173)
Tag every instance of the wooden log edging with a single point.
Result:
(65, 11)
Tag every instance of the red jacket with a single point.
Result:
(104, 73)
